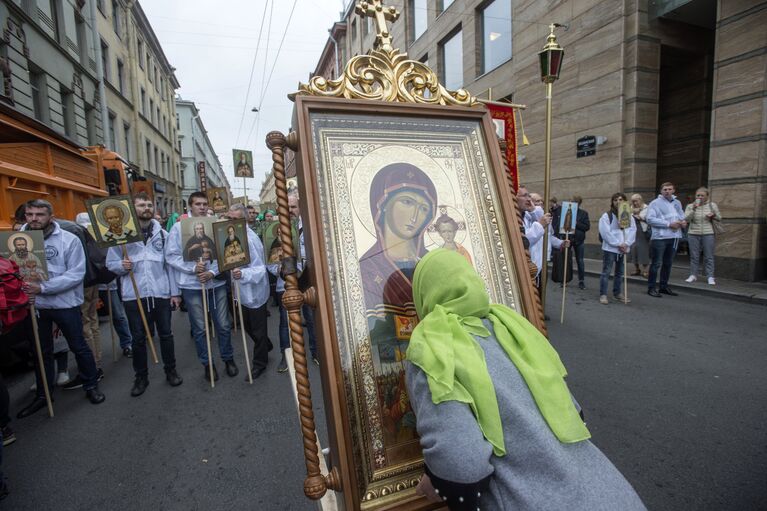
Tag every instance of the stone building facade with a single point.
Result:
(196, 147)
(53, 64)
(676, 88)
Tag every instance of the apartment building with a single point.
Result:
(674, 88)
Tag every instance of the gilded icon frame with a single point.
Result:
(329, 131)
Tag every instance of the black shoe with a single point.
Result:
(31, 408)
(581, 285)
(174, 380)
(99, 374)
(95, 396)
(139, 386)
(128, 352)
(207, 373)
(231, 368)
(653, 292)
(256, 372)
(283, 365)
(668, 291)
(74, 383)
(8, 436)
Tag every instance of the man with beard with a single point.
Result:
(157, 287)
(191, 274)
(243, 167)
(30, 265)
(58, 301)
(199, 245)
(114, 217)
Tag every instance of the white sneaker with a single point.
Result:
(691, 279)
(603, 299)
(62, 378)
(711, 281)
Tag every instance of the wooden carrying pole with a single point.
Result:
(207, 332)
(242, 330)
(315, 484)
(625, 274)
(149, 339)
(40, 362)
(111, 325)
(564, 278)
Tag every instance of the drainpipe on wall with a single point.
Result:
(100, 75)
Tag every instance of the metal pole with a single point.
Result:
(546, 195)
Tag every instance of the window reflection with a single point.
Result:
(496, 34)
(452, 62)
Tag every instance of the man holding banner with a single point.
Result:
(254, 293)
(195, 278)
(58, 300)
(156, 281)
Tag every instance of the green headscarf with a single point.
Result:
(451, 299)
(171, 221)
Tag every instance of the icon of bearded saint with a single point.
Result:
(114, 219)
(30, 266)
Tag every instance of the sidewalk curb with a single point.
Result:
(699, 289)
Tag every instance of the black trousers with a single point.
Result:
(157, 312)
(255, 326)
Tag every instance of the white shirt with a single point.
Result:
(65, 258)
(254, 284)
(613, 236)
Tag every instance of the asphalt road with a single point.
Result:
(674, 390)
(187, 448)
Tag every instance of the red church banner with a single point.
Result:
(506, 128)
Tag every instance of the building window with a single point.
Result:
(164, 126)
(68, 111)
(148, 155)
(126, 141)
(156, 80)
(354, 31)
(82, 39)
(156, 161)
(116, 18)
(158, 118)
(496, 34)
(105, 59)
(143, 101)
(56, 18)
(39, 95)
(140, 52)
(121, 76)
(444, 4)
(424, 59)
(418, 14)
(451, 61)
(112, 140)
(151, 110)
(90, 123)
(149, 68)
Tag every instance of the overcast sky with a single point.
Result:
(212, 46)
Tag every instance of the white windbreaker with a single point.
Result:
(534, 234)
(254, 284)
(65, 257)
(612, 234)
(186, 278)
(154, 278)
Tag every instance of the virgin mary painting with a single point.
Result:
(402, 203)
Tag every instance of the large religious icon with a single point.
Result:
(624, 215)
(243, 163)
(270, 236)
(114, 220)
(218, 200)
(27, 249)
(238, 200)
(390, 182)
(231, 239)
(197, 239)
(568, 216)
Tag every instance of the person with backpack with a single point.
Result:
(158, 289)
(615, 246)
(58, 301)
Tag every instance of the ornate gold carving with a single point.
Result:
(385, 73)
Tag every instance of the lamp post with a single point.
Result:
(550, 58)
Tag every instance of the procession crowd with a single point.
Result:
(144, 280)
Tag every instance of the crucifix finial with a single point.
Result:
(375, 9)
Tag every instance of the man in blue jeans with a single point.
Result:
(157, 288)
(191, 276)
(666, 217)
(58, 300)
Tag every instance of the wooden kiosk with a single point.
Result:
(385, 153)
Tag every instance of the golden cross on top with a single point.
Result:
(375, 8)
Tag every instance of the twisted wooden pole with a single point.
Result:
(315, 484)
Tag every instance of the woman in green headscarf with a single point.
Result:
(497, 424)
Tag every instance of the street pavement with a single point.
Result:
(187, 448)
(673, 390)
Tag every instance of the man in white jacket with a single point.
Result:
(157, 287)
(666, 217)
(536, 221)
(58, 300)
(190, 277)
(254, 293)
(616, 244)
